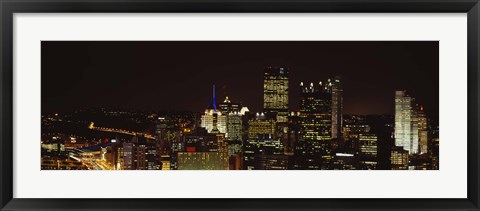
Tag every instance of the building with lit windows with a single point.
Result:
(213, 119)
(235, 128)
(316, 112)
(233, 112)
(422, 131)
(368, 144)
(345, 161)
(368, 150)
(354, 125)
(399, 158)
(260, 125)
(201, 141)
(271, 162)
(203, 161)
(263, 144)
(406, 122)
(275, 92)
(134, 154)
(228, 106)
(315, 119)
(337, 108)
(151, 157)
(161, 128)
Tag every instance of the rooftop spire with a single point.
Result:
(214, 99)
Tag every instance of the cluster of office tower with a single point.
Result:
(316, 136)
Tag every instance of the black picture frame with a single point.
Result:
(9, 7)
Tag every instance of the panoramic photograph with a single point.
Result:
(239, 105)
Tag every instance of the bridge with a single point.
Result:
(121, 131)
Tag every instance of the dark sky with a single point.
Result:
(178, 75)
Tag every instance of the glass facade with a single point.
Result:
(406, 122)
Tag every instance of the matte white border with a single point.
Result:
(449, 182)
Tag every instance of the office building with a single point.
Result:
(203, 161)
(399, 158)
(406, 122)
(337, 108)
(213, 119)
(275, 93)
(422, 131)
(260, 125)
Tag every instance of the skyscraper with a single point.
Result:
(161, 133)
(422, 131)
(406, 122)
(228, 106)
(234, 126)
(234, 119)
(315, 118)
(316, 112)
(337, 108)
(213, 120)
(275, 92)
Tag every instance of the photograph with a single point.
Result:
(240, 105)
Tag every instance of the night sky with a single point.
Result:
(178, 75)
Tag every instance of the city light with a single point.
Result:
(229, 136)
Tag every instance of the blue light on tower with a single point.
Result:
(214, 100)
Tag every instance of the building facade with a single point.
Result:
(337, 108)
(422, 131)
(406, 122)
(275, 92)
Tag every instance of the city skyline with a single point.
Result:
(299, 126)
(107, 71)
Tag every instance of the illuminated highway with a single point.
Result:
(92, 160)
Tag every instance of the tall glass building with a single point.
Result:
(275, 92)
(406, 122)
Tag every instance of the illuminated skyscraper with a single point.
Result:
(315, 118)
(234, 119)
(316, 112)
(234, 126)
(337, 108)
(275, 92)
(406, 122)
(213, 120)
(422, 131)
(228, 106)
(161, 136)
